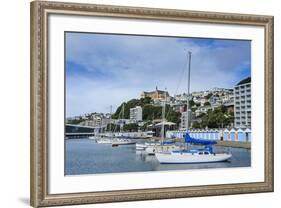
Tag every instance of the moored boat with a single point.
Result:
(116, 142)
(140, 146)
(203, 155)
(104, 141)
(192, 156)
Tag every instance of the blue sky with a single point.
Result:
(104, 69)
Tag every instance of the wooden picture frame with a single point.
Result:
(39, 103)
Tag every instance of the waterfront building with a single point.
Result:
(136, 113)
(241, 135)
(242, 104)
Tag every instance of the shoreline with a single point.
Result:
(223, 143)
(237, 144)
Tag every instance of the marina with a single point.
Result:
(161, 130)
(86, 156)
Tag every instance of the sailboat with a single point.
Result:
(200, 155)
(163, 146)
(100, 139)
(121, 140)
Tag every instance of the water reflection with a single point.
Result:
(84, 156)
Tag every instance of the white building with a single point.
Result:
(136, 113)
(242, 104)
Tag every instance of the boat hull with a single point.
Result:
(117, 142)
(103, 141)
(167, 158)
(140, 146)
(122, 143)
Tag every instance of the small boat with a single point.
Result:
(116, 142)
(203, 155)
(104, 141)
(140, 146)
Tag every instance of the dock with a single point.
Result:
(237, 144)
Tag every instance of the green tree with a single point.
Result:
(217, 118)
(207, 103)
(130, 104)
(191, 103)
(172, 115)
(196, 125)
(149, 111)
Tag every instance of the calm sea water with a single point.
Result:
(85, 156)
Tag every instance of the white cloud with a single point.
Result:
(120, 67)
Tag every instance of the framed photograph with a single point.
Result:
(135, 104)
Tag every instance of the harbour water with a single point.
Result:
(85, 156)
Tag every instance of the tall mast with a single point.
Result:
(110, 118)
(122, 118)
(163, 116)
(123, 111)
(188, 89)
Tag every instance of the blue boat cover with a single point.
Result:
(188, 139)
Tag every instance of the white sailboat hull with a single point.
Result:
(140, 146)
(182, 158)
(122, 141)
(104, 141)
